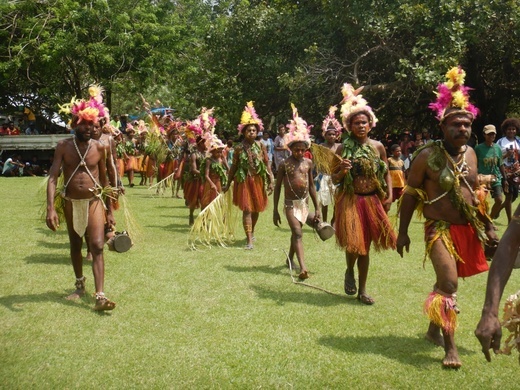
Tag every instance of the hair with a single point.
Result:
(251, 124)
(515, 122)
(229, 143)
(394, 147)
(365, 112)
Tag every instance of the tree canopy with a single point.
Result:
(194, 53)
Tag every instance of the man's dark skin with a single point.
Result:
(79, 187)
(488, 331)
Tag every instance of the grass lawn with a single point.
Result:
(221, 318)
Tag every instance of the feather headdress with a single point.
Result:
(453, 94)
(298, 130)
(330, 121)
(213, 142)
(250, 117)
(86, 110)
(207, 122)
(353, 103)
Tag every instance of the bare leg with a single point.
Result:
(363, 264)
(254, 220)
(247, 222)
(192, 218)
(296, 242)
(496, 207)
(447, 283)
(434, 335)
(324, 212)
(130, 175)
(507, 204)
(350, 279)
(96, 237)
(76, 242)
(96, 234)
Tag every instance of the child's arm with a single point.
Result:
(312, 192)
(276, 197)
(206, 175)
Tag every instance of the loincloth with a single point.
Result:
(80, 211)
(300, 209)
(462, 243)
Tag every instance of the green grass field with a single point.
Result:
(221, 318)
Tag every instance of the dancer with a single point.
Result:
(364, 188)
(251, 173)
(83, 162)
(295, 173)
(443, 184)
(331, 130)
(215, 171)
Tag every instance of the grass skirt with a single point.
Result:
(208, 193)
(361, 220)
(193, 193)
(250, 195)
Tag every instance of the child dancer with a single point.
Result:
(295, 173)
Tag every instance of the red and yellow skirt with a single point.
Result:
(361, 220)
(250, 195)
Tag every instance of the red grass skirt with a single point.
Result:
(361, 220)
(208, 193)
(193, 193)
(250, 195)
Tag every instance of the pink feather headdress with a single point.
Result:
(353, 103)
(453, 94)
(298, 130)
(250, 117)
(87, 110)
(331, 121)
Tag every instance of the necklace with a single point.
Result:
(461, 170)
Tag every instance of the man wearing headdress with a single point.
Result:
(251, 173)
(364, 188)
(83, 162)
(442, 184)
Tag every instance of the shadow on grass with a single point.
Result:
(17, 302)
(49, 259)
(55, 245)
(176, 227)
(413, 350)
(266, 269)
(306, 295)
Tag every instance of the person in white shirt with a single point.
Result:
(510, 145)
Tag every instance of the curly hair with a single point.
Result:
(514, 122)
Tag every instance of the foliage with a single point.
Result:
(194, 53)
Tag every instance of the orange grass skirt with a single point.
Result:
(193, 193)
(360, 221)
(250, 195)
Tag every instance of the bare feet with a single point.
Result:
(303, 275)
(451, 360)
(248, 247)
(80, 289)
(434, 335)
(88, 257)
(290, 264)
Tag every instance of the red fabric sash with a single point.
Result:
(470, 249)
